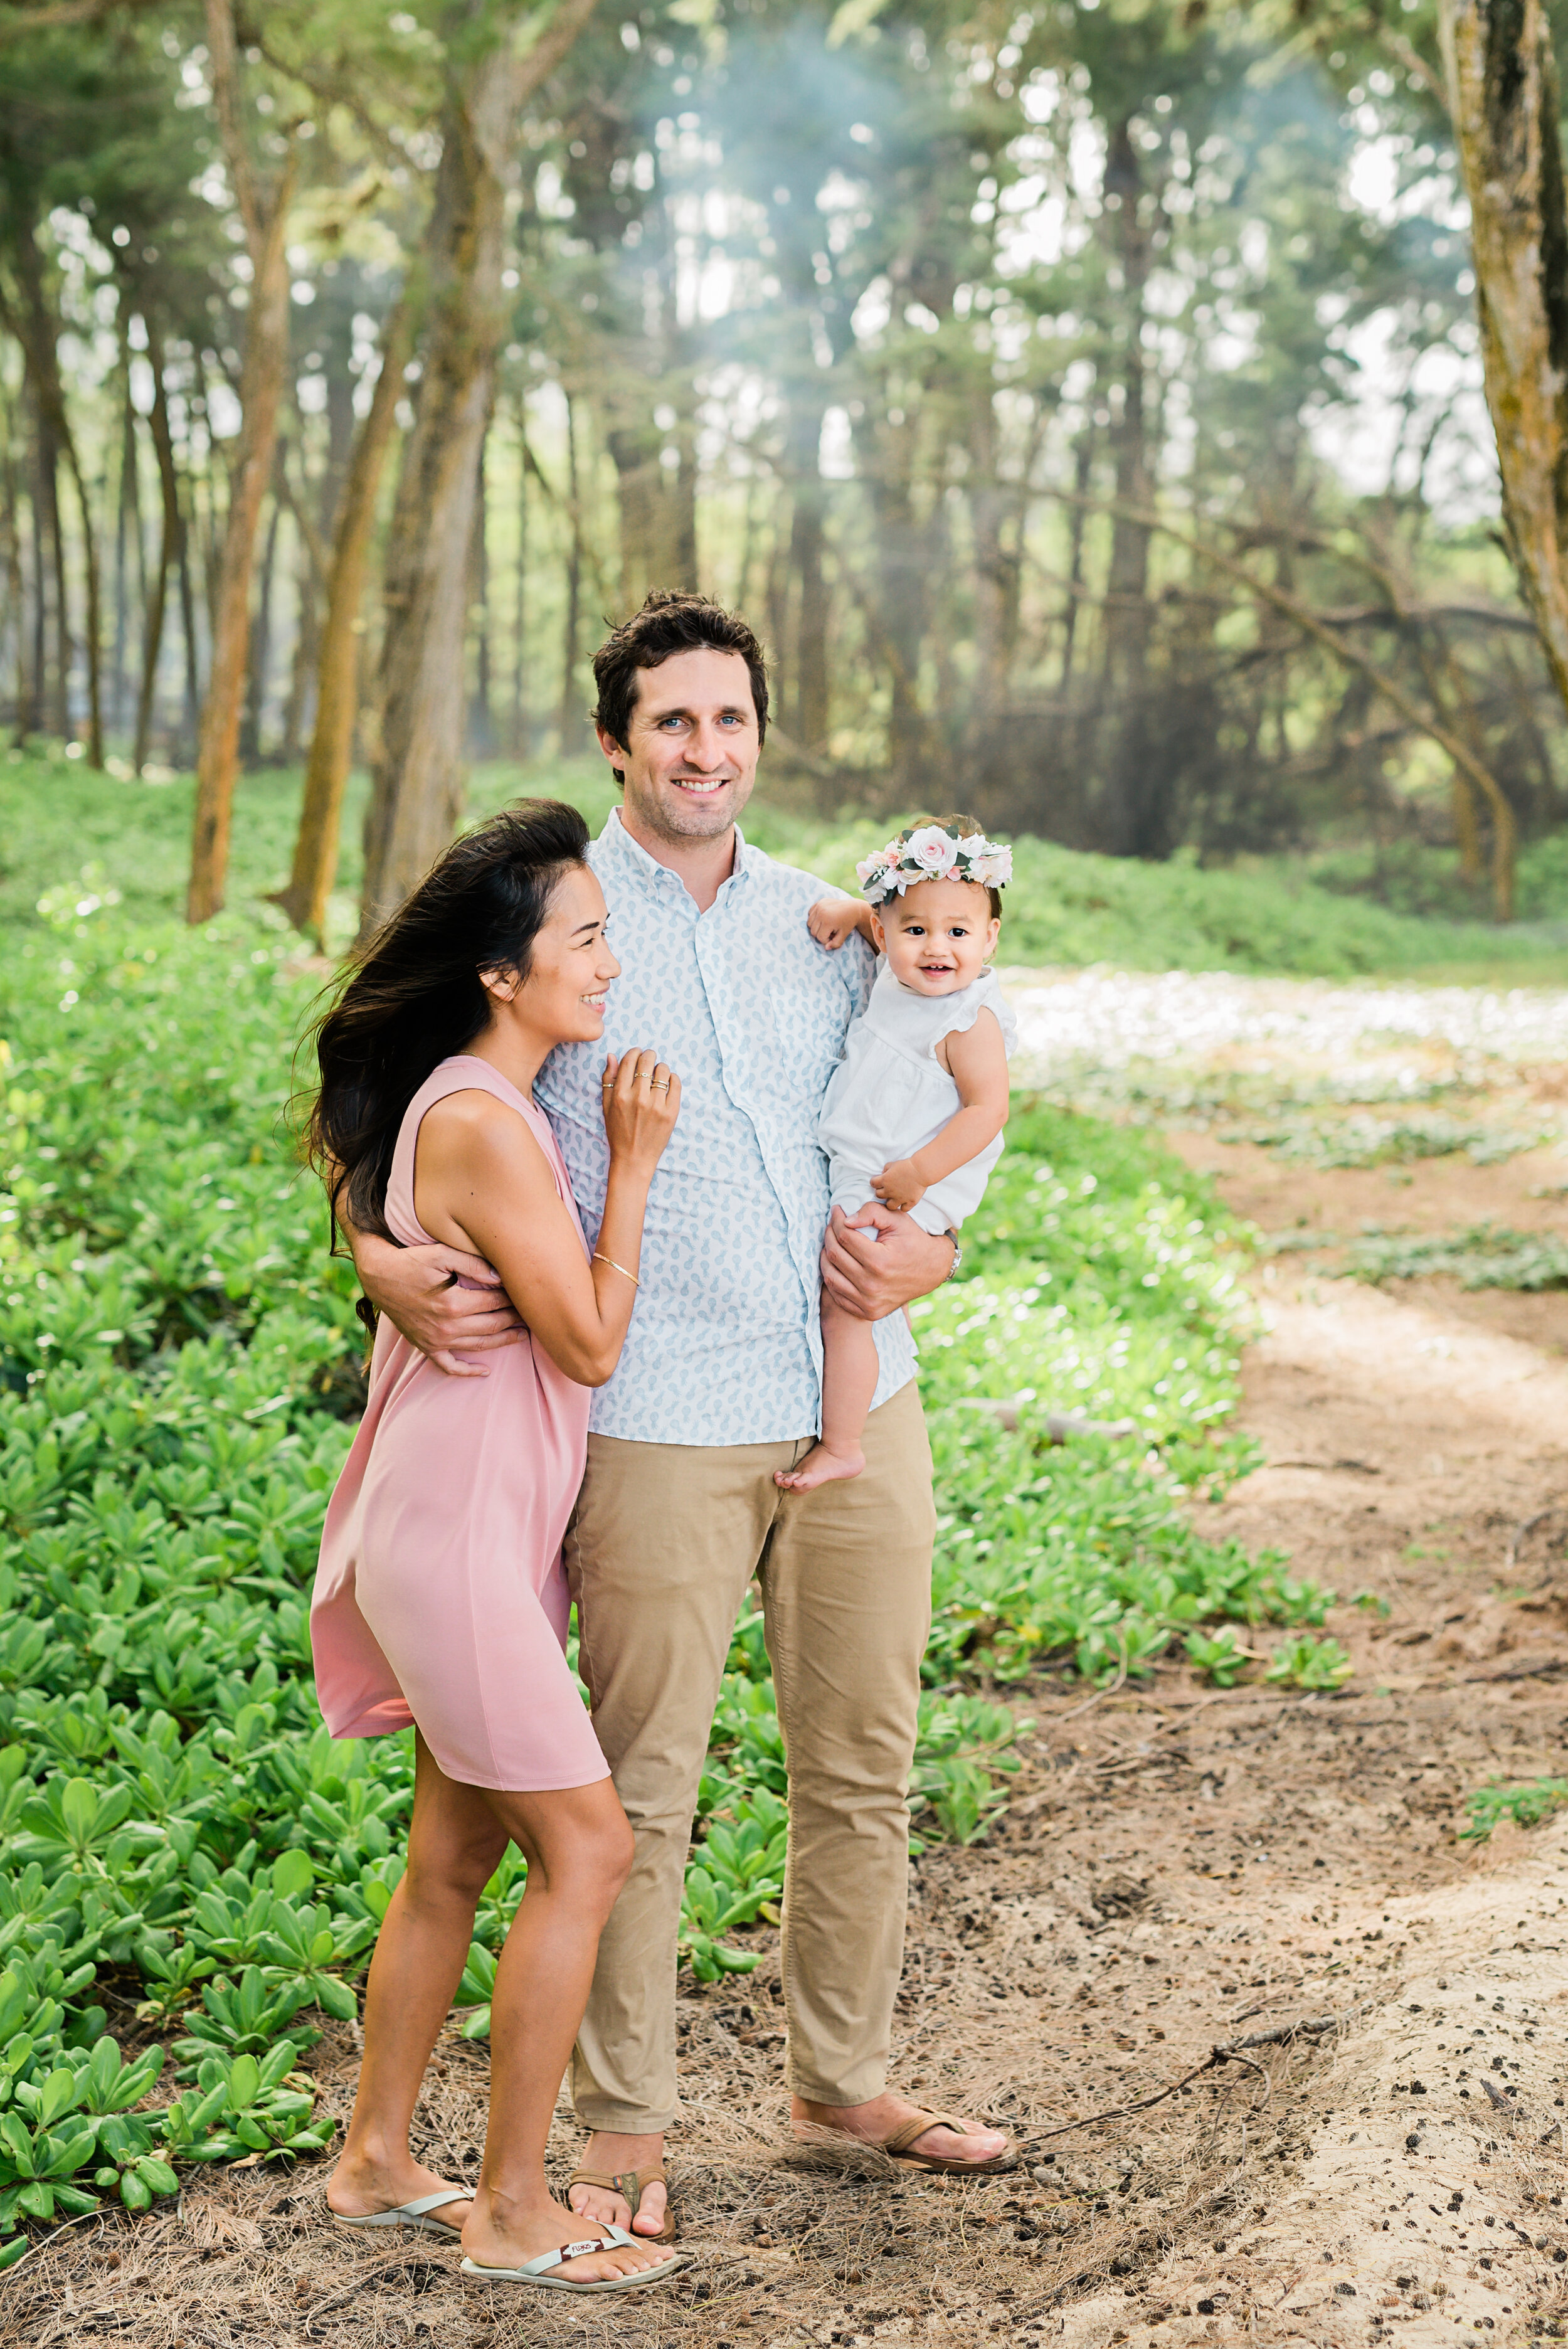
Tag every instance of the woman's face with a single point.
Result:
(563, 997)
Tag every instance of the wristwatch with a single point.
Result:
(957, 1255)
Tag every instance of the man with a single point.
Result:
(719, 1386)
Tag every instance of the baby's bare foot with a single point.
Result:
(821, 1465)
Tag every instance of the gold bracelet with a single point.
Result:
(621, 1269)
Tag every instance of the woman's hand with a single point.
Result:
(641, 1100)
(898, 1186)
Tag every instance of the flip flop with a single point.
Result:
(631, 2185)
(537, 2271)
(413, 2214)
(897, 2149)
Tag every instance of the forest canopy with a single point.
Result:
(1088, 401)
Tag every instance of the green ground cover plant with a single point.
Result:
(1266, 915)
(1526, 1802)
(1483, 1255)
(181, 1846)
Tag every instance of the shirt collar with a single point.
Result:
(632, 857)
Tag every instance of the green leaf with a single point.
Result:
(244, 2079)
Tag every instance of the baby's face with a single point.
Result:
(938, 936)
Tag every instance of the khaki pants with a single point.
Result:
(665, 1539)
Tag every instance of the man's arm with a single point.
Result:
(416, 1288)
(871, 1273)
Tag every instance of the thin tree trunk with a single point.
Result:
(808, 518)
(16, 580)
(569, 729)
(1503, 96)
(417, 786)
(39, 695)
(337, 693)
(520, 728)
(265, 214)
(482, 725)
(250, 750)
(170, 548)
(1134, 821)
(127, 504)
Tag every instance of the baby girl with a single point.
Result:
(915, 1110)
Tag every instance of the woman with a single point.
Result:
(439, 1598)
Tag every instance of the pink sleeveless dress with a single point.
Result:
(440, 1595)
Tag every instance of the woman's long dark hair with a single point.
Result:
(414, 996)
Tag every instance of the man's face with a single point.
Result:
(691, 759)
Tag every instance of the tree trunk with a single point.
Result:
(265, 214)
(218, 743)
(518, 730)
(127, 513)
(569, 729)
(482, 725)
(250, 752)
(808, 523)
(418, 784)
(1132, 817)
(1503, 96)
(994, 585)
(34, 330)
(171, 546)
(336, 694)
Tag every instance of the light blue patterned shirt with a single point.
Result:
(726, 1342)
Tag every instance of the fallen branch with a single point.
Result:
(1231, 2051)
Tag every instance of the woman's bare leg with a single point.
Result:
(578, 1846)
(455, 1843)
(849, 1382)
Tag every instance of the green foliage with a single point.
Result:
(1485, 1255)
(179, 1376)
(1526, 1802)
(1067, 906)
(1309, 1664)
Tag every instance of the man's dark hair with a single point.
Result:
(671, 621)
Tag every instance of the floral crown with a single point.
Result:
(928, 851)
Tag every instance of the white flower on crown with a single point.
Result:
(991, 866)
(871, 872)
(935, 852)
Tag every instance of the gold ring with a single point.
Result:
(658, 1085)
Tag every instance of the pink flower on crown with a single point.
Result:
(994, 868)
(872, 872)
(932, 850)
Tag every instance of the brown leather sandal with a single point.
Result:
(631, 2184)
(897, 2149)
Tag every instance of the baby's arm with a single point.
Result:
(833, 920)
(977, 1063)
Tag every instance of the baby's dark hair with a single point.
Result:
(965, 827)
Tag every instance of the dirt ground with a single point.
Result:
(1179, 1869)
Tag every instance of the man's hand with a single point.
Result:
(418, 1289)
(879, 1261)
(833, 921)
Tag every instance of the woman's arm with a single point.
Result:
(976, 1061)
(482, 1182)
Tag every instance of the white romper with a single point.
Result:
(890, 1095)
